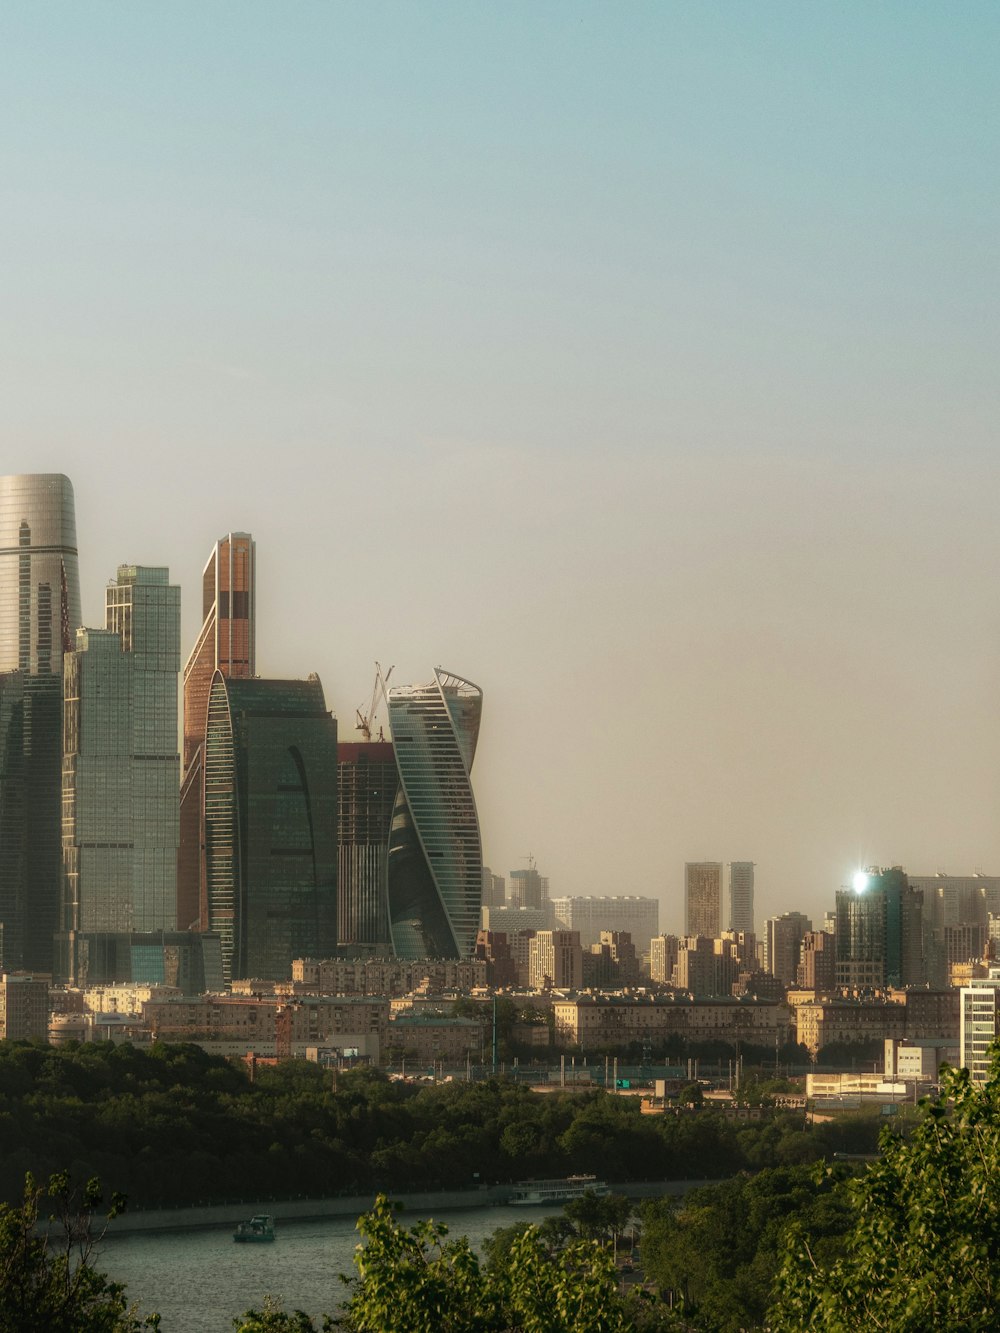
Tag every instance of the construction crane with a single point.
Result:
(366, 720)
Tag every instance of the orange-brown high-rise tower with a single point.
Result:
(227, 644)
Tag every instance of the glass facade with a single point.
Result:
(121, 766)
(270, 783)
(226, 643)
(879, 931)
(435, 863)
(367, 785)
(39, 613)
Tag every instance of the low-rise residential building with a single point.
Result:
(598, 1021)
(427, 1038)
(380, 976)
(24, 1007)
(824, 1022)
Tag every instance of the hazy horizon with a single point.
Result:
(636, 363)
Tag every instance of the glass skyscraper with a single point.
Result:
(367, 786)
(435, 871)
(270, 766)
(121, 769)
(39, 614)
(226, 643)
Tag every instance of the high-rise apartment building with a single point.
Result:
(435, 851)
(703, 898)
(226, 643)
(980, 1023)
(817, 968)
(367, 786)
(783, 944)
(663, 958)
(121, 770)
(741, 896)
(270, 824)
(879, 932)
(39, 613)
(555, 958)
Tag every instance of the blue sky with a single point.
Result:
(637, 361)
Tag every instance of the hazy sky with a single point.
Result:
(637, 361)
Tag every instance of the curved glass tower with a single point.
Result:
(39, 616)
(435, 862)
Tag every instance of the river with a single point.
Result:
(199, 1280)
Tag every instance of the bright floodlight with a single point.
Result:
(860, 881)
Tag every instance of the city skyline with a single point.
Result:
(662, 344)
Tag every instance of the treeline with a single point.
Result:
(172, 1125)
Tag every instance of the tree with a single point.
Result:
(417, 1281)
(924, 1250)
(47, 1281)
(715, 1252)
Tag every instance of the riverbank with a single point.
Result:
(203, 1218)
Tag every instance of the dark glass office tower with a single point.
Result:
(435, 853)
(39, 614)
(270, 824)
(368, 782)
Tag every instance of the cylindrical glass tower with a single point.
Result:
(39, 614)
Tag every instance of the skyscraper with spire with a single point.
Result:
(39, 614)
(226, 643)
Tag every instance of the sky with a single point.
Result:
(637, 362)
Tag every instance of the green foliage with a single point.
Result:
(599, 1216)
(271, 1318)
(715, 1253)
(173, 1125)
(924, 1251)
(417, 1281)
(47, 1282)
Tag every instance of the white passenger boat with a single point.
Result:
(532, 1193)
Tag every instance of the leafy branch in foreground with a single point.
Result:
(48, 1283)
(925, 1249)
(416, 1280)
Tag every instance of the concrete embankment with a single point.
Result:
(352, 1206)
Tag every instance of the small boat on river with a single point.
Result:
(260, 1228)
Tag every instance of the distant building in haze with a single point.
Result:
(741, 916)
(226, 643)
(39, 615)
(270, 765)
(121, 770)
(953, 905)
(590, 914)
(494, 889)
(435, 871)
(703, 898)
(527, 888)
